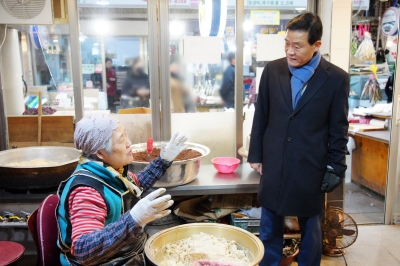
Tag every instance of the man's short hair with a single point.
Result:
(231, 56)
(108, 59)
(308, 22)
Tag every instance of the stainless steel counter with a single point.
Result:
(210, 182)
(382, 136)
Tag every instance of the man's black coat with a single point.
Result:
(296, 146)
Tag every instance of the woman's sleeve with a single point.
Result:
(88, 212)
(152, 173)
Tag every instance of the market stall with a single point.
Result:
(370, 160)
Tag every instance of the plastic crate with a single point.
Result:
(249, 224)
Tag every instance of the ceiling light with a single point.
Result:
(95, 44)
(177, 28)
(102, 3)
(55, 40)
(247, 25)
(300, 8)
(101, 26)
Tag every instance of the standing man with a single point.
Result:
(227, 90)
(298, 139)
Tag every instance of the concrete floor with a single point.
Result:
(376, 245)
(362, 204)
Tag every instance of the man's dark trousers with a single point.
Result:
(271, 234)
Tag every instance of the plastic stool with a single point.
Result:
(10, 252)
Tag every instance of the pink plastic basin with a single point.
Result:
(225, 165)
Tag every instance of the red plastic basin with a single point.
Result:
(225, 165)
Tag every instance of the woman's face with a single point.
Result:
(108, 64)
(121, 152)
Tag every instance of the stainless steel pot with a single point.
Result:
(180, 172)
(154, 246)
(14, 177)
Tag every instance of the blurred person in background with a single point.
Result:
(227, 90)
(111, 84)
(181, 98)
(389, 88)
(136, 87)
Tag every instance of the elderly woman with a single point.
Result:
(94, 227)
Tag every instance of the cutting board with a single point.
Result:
(365, 127)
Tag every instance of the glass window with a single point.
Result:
(202, 39)
(113, 38)
(36, 59)
(44, 52)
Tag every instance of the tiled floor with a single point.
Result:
(376, 245)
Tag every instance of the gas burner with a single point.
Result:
(11, 217)
(31, 191)
(25, 196)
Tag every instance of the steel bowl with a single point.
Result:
(23, 177)
(180, 172)
(154, 245)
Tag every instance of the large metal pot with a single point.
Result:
(154, 246)
(180, 172)
(37, 177)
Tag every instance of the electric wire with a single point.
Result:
(344, 258)
(5, 34)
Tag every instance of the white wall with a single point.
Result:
(325, 14)
(341, 33)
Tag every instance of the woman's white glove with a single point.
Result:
(151, 208)
(171, 150)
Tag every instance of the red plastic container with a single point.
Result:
(225, 165)
(211, 263)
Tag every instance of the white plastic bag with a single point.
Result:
(366, 50)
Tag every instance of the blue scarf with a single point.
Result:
(301, 75)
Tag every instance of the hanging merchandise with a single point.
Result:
(366, 50)
(371, 88)
(355, 41)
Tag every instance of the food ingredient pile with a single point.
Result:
(203, 246)
(33, 163)
(141, 156)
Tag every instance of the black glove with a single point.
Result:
(331, 181)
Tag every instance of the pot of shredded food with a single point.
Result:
(37, 167)
(183, 170)
(204, 244)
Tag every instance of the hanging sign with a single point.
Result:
(87, 68)
(280, 4)
(265, 17)
(360, 4)
(390, 21)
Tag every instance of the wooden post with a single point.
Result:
(40, 120)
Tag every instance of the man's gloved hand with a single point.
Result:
(151, 208)
(171, 150)
(331, 181)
